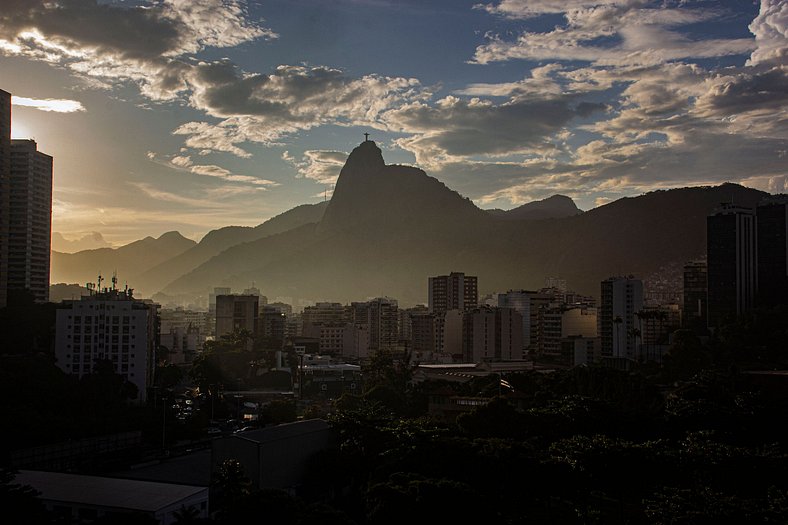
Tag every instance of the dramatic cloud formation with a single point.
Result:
(595, 99)
(49, 104)
(318, 165)
(263, 108)
(608, 32)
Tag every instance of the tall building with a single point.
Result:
(520, 300)
(5, 177)
(695, 294)
(236, 312)
(732, 262)
(380, 317)
(492, 334)
(272, 325)
(30, 220)
(560, 322)
(772, 216)
(622, 298)
(109, 325)
(455, 291)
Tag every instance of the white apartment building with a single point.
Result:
(109, 325)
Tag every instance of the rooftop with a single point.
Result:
(147, 496)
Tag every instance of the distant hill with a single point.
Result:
(554, 207)
(90, 241)
(216, 241)
(387, 228)
(62, 291)
(129, 261)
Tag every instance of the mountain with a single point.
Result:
(554, 207)
(388, 227)
(128, 261)
(61, 291)
(90, 241)
(216, 241)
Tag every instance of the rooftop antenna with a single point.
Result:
(99, 281)
(114, 280)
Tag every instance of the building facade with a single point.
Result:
(236, 312)
(110, 326)
(5, 180)
(30, 220)
(695, 294)
(520, 300)
(622, 298)
(492, 334)
(455, 291)
(732, 263)
(772, 215)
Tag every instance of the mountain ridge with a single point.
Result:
(387, 229)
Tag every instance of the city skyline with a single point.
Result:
(233, 112)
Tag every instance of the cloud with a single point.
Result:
(184, 163)
(49, 104)
(770, 28)
(87, 28)
(152, 192)
(150, 44)
(260, 108)
(608, 32)
(319, 165)
(453, 127)
(540, 83)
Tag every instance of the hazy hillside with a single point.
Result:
(61, 291)
(219, 240)
(90, 241)
(554, 207)
(129, 261)
(387, 228)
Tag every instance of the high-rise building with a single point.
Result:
(236, 312)
(622, 298)
(455, 291)
(272, 325)
(380, 317)
(520, 300)
(492, 334)
(732, 262)
(695, 294)
(30, 220)
(109, 325)
(772, 214)
(5, 176)
(560, 322)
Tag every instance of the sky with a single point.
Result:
(191, 115)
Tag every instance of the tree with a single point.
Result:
(687, 356)
(21, 501)
(231, 484)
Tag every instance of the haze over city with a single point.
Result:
(192, 115)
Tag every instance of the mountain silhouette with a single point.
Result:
(388, 227)
(554, 207)
(129, 260)
(216, 241)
